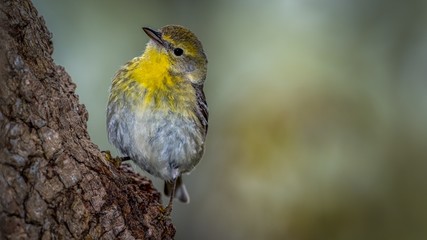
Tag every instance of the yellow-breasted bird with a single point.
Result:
(157, 113)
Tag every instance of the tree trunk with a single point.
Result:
(54, 182)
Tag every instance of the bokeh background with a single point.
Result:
(318, 110)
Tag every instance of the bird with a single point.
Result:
(157, 114)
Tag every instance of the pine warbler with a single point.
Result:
(157, 113)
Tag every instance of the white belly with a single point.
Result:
(162, 144)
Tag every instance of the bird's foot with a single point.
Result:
(116, 161)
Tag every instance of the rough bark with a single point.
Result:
(54, 182)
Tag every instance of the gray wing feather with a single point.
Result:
(202, 107)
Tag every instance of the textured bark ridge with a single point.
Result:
(54, 182)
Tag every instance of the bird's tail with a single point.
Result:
(181, 192)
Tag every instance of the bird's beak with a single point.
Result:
(156, 36)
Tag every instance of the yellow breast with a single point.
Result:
(148, 81)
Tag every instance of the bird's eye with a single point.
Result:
(178, 51)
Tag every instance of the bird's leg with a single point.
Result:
(168, 208)
(114, 160)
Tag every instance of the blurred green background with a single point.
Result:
(318, 110)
